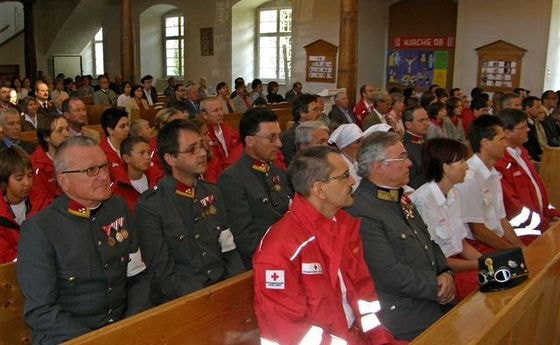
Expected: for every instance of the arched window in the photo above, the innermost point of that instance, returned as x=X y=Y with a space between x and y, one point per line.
x=98 y=65
x=274 y=41
x=174 y=44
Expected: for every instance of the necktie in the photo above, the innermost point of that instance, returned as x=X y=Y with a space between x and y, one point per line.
x=45 y=106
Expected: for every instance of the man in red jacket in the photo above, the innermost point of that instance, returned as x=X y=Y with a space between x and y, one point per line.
x=525 y=196
x=365 y=106
x=311 y=283
x=224 y=143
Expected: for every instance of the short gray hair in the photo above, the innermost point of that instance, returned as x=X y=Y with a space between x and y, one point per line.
x=338 y=94
x=309 y=166
x=305 y=131
x=205 y=102
x=60 y=157
x=396 y=97
x=373 y=150
x=6 y=111
x=379 y=96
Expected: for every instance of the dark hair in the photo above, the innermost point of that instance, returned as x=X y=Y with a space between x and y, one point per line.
x=408 y=92
x=255 y=83
x=453 y=91
x=529 y=101
x=301 y=104
x=146 y=77
x=181 y=107
x=518 y=91
x=259 y=102
x=238 y=81
x=309 y=166
x=297 y=83
x=512 y=117
x=126 y=82
x=412 y=101
x=363 y=89
x=176 y=86
x=426 y=99
x=251 y=120
x=395 y=89
x=102 y=76
x=134 y=88
x=544 y=96
x=44 y=128
x=12 y=160
x=483 y=127
x=270 y=86
x=451 y=104
x=478 y=103
x=408 y=114
x=111 y=117
x=168 y=139
x=434 y=109
x=439 y=151
x=128 y=144
x=432 y=87
x=507 y=98
x=440 y=93
x=221 y=85
x=475 y=91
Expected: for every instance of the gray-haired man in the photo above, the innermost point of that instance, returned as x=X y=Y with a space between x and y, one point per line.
x=312 y=133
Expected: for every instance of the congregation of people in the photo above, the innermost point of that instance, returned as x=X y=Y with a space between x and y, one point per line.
x=363 y=225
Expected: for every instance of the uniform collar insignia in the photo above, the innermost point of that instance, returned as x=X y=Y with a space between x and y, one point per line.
x=185 y=191
x=263 y=167
x=415 y=139
x=388 y=194
x=78 y=210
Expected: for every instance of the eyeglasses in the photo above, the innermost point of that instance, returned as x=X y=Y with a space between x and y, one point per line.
x=194 y=148
x=340 y=177
x=272 y=138
x=91 y=171
x=402 y=158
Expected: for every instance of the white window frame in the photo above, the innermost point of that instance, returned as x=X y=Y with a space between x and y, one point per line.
x=272 y=5
x=179 y=37
x=95 y=52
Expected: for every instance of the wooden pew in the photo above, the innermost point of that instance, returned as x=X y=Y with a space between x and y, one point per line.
x=550 y=173
x=88 y=100
x=284 y=116
x=94 y=113
x=31 y=136
x=217 y=315
x=13 y=330
x=525 y=314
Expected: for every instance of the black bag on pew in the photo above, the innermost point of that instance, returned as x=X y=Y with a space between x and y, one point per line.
x=501 y=270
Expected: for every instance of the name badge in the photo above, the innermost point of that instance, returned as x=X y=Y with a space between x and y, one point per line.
x=311 y=268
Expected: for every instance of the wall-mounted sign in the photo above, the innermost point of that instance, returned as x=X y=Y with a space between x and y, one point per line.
x=321 y=62
x=424 y=42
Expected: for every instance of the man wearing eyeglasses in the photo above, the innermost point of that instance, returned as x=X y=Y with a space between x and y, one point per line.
x=256 y=191
x=185 y=238
x=416 y=123
x=311 y=282
x=74 y=255
x=413 y=281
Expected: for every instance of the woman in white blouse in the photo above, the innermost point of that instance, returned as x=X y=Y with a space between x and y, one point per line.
x=438 y=202
x=124 y=98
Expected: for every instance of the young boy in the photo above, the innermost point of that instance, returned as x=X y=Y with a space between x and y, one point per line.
x=16 y=181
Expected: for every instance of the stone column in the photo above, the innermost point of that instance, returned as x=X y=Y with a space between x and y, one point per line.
x=127 y=56
x=348 y=38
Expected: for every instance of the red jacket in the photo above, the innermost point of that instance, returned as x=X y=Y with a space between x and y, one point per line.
x=361 y=110
x=467 y=117
x=519 y=191
x=9 y=228
x=44 y=181
x=219 y=161
x=297 y=268
x=123 y=187
x=156 y=170
x=116 y=164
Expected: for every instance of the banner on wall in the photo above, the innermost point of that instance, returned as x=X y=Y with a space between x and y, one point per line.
x=432 y=42
x=417 y=68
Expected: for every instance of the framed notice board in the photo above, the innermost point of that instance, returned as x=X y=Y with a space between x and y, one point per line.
x=320 y=62
x=499 y=66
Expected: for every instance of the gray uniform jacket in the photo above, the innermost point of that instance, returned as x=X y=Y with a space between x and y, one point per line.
x=415 y=155
x=184 y=248
x=402 y=260
x=252 y=205
x=105 y=97
x=72 y=279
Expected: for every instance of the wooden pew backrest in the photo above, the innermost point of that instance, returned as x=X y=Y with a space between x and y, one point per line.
x=94 y=112
x=13 y=330
x=217 y=315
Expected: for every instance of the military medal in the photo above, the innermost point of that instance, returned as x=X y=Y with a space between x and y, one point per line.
x=407 y=207
x=212 y=210
x=119 y=237
x=124 y=234
x=276 y=187
x=111 y=241
x=208 y=206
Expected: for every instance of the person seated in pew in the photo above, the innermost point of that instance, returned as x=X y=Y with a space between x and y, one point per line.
x=17 y=203
x=135 y=152
x=416 y=122
x=75 y=112
x=30 y=118
x=443 y=161
x=311 y=133
x=52 y=130
x=73 y=256
x=223 y=95
x=481 y=194
x=525 y=195
x=11 y=129
x=141 y=128
x=114 y=122
x=241 y=101
x=272 y=95
x=184 y=234
x=256 y=191
x=311 y=282
x=125 y=97
x=225 y=144
x=104 y=95
x=137 y=100
x=348 y=138
x=414 y=282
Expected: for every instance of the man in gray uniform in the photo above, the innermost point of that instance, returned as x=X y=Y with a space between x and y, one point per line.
x=411 y=275
x=256 y=192
x=184 y=236
x=416 y=122
x=73 y=255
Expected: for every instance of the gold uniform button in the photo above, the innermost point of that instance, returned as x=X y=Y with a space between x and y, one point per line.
x=197 y=236
x=203 y=253
x=182 y=237
x=425 y=247
x=209 y=271
x=403 y=236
